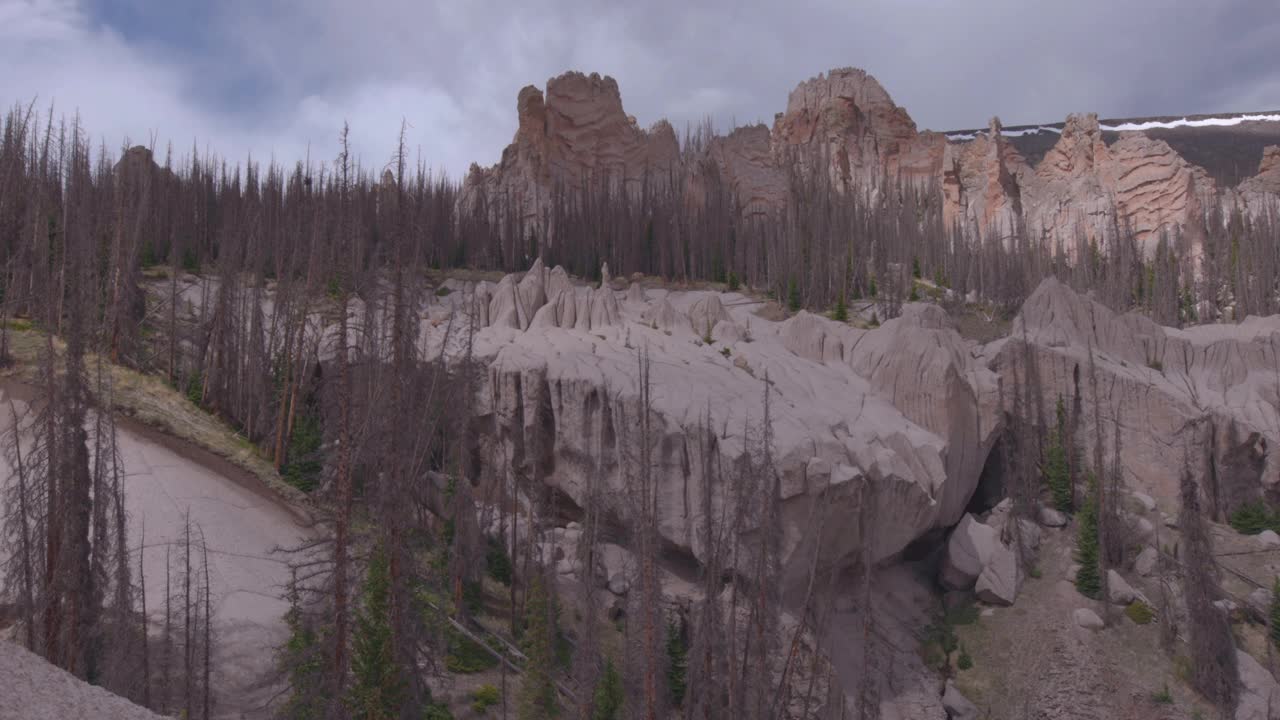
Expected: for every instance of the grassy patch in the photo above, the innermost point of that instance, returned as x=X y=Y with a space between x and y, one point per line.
x=483 y=698
x=1139 y=612
x=466 y=656
x=152 y=401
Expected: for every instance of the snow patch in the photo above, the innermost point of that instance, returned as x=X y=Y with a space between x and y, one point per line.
x=1183 y=122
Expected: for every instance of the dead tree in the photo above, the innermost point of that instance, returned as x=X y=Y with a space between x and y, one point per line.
x=1214 y=674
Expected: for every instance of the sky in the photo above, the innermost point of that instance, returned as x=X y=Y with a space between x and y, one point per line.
x=276 y=79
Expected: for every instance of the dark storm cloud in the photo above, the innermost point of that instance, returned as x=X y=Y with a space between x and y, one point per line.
x=279 y=78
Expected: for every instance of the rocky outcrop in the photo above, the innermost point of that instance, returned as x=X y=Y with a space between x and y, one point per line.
x=844 y=126
x=1262 y=191
x=1083 y=188
x=898 y=418
x=1259 y=692
x=1207 y=395
x=981 y=184
x=846 y=119
x=574 y=133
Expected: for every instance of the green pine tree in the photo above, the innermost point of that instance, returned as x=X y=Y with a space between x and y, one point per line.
x=793 y=296
x=1275 y=612
x=1057 y=475
x=608 y=697
x=1089 y=578
x=677 y=663
x=377 y=690
x=301 y=662
x=915 y=268
x=841 y=313
x=537 y=700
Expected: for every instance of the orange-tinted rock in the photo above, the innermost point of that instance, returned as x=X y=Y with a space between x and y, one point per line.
x=577 y=132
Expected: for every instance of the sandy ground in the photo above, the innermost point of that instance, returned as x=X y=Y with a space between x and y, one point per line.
x=243 y=526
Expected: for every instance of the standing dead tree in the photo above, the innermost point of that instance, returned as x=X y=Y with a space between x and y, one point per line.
x=1215 y=673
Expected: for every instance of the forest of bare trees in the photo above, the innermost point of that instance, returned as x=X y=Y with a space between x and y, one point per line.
x=284 y=301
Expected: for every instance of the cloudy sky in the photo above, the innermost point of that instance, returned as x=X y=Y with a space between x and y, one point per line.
x=277 y=78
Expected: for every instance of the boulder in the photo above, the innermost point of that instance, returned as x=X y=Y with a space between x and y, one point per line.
x=615 y=565
x=1145 y=563
x=1088 y=619
x=1049 y=517
x=1143 y=501
x=1119 y=591
x=1000 y=578
x=957 y=706
x=1144 y=528
x=968 y=552
x=1269 y=539
x=1259 y=692
x=1259 y=602
x=1029 y=536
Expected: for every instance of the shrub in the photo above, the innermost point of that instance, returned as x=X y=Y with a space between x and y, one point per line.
x=1254 y=517
x=733 y=282
x=465 y=656
x=497 y=562
x=442 y=291
x=484 y=697
x=964 y=662
x=915 y=294
x=1163 y=697
x=436 y=711
x=965 y=614
x=1139 y=612
x=725 y=352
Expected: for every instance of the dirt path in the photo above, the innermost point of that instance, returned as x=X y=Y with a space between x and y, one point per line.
x=244 y=525
x=1033 y=662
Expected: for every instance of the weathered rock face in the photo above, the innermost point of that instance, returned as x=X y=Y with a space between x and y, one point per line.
x=1084 y=189
x=37 y=690
x=898 y=419
x=577 y=131
x=844 y=125
x=1206 y=395
x=1262 y=191
x=981 y=184
x=745 y=159
x=847 y=119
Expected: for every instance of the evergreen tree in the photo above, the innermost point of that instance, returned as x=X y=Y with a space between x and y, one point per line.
x=841 y=313
x=301 y=660
x=793 y=296
x=1057 y=475
x=537 y=699
x=377 y=690
x=608 y=696
x=1089 y=578
x=677 y=663
x=1275 y=612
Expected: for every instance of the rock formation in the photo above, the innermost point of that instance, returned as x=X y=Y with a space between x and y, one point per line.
x=36 y=690
x=577 y=132
x=845 y=126
x=1208 y=394
x=1262 y=191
